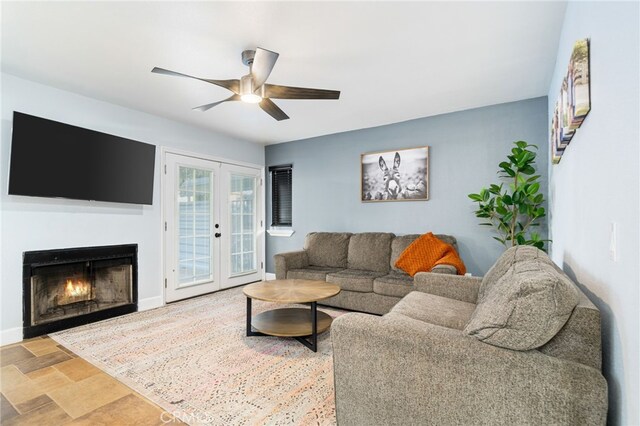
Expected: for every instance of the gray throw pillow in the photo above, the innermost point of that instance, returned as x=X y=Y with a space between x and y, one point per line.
x=525 y=308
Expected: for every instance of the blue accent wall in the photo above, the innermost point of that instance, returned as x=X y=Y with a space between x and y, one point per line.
x=465 y=149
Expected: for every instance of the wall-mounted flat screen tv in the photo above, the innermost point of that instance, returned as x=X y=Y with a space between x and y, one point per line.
x=52 y=159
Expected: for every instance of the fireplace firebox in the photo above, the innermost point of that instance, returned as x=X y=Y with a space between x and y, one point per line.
x=70 y=287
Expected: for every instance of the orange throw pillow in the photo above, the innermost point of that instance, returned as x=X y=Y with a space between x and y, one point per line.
x=426 y=252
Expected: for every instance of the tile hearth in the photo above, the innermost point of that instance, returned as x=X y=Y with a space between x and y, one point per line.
x=45 y=383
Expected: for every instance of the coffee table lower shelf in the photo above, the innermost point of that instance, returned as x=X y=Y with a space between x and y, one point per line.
x=302 y=324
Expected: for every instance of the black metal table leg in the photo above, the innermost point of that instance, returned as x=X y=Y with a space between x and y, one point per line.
x=314 y=326
x=313 y=344
x=249 y=331
x=248 y=316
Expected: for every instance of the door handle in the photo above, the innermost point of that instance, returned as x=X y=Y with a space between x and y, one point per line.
x=217 y=235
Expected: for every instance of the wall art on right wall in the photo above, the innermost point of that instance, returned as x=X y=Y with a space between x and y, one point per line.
x=574 y=100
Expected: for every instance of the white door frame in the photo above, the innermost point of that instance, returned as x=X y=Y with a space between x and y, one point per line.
x=261 y=215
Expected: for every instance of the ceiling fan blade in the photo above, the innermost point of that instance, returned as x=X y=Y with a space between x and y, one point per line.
x=233 y=85
x=272 y=109
x=209 y=106
x=263 y=62
x=285 y=92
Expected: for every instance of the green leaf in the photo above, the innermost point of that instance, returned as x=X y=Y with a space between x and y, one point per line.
x=499 y=239
x=487 y=224
x=507 y=200
x=532 y=178
x=533 y=188
x=501 y=210
x=475 y=197
x=528 y=170
x=520 y=239
x=538 y=198
x=521 y=144
x=495 y=189
x=507 y=217
x=539 y=244
x=510 y=172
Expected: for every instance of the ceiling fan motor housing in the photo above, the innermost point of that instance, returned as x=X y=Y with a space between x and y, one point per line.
x=247 y=57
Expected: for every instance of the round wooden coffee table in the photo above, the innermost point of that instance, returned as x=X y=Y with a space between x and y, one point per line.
x=299 y=323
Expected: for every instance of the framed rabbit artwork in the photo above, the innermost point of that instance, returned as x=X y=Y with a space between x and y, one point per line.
x=396 y=175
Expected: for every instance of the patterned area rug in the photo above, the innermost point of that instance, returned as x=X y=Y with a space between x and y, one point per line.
x=192 y=358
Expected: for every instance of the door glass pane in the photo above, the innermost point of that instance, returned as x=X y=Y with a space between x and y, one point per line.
x=194 y=224
x=242 y=199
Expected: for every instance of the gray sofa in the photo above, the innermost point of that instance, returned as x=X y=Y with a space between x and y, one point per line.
x=444 y=354
x=362 y=265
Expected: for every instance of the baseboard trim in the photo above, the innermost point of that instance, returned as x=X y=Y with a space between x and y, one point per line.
x=11 y=335
x=150 y=303
x=268 y=276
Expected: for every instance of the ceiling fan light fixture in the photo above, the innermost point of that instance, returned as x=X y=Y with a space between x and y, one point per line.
x=247 y=89
x=250 y=98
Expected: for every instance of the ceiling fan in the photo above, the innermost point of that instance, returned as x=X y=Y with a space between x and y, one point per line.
x=253 y=88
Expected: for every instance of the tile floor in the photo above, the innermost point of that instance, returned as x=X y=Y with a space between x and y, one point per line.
x=43 y=383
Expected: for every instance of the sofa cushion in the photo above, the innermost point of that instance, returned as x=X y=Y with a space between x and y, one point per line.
x=434 y=309
x=327 y=248
x=401 y=242
x=505 y=261
x=526 y=307
x=370 y=251
x=354 y=279
x=311 y=273
x=394 y=284
x=398 y=245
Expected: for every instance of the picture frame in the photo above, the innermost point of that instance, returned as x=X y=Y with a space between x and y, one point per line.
x=574 y=101
x=395 y=175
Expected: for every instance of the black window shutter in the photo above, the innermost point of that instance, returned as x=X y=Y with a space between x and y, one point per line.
x=281 y=190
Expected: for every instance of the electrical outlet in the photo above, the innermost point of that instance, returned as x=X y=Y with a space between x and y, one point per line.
x=613 y=241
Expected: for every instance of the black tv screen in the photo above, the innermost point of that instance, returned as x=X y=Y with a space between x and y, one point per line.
x=52 y=159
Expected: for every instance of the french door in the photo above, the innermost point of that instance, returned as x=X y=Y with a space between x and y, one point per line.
x=213 y=226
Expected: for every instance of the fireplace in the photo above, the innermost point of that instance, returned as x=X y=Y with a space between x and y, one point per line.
x=70 y=287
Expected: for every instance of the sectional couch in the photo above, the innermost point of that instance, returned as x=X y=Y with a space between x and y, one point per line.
x=521 y=346
x=362 y=265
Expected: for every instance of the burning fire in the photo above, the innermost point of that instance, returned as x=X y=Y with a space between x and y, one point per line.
x=79 y=290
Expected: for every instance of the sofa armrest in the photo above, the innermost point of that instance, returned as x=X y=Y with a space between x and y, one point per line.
x=290 y=260
x=445 y=269
x=396 y=370
x=459 y=287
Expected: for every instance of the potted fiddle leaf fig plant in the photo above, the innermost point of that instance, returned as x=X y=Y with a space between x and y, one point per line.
x=514 y=209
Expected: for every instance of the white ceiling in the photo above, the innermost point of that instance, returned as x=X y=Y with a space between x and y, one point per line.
x=392 y=61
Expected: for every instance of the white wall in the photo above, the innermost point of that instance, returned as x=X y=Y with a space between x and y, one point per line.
x=41 y=223
x=596 y=184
